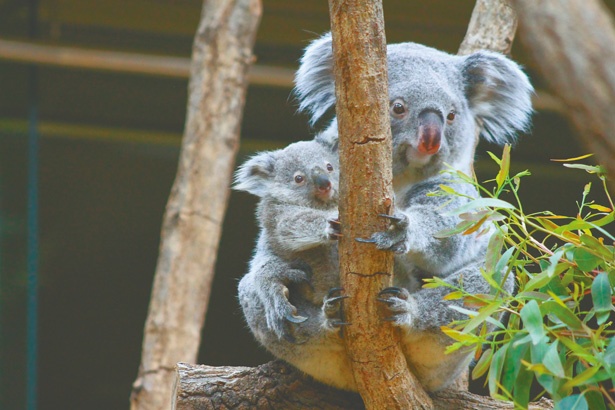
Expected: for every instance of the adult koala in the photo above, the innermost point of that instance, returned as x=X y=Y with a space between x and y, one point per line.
x=437 y=101
x=440 y=104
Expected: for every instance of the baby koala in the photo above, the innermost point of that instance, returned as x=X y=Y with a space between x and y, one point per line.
x=295 y=264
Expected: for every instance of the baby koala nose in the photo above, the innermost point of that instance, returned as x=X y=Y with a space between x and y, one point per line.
x=322 y=183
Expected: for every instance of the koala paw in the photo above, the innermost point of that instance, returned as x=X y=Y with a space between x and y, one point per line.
x=395 y=239
x=334 y=229
x=280 y=314
x=332 y=309
x=396 y=303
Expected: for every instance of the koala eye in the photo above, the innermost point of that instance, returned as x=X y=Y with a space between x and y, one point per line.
x=299 y=178
x=329 y=167
x=451 y=116
x=398 y=108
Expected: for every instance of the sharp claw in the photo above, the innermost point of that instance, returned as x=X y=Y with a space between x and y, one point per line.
x=333 y=291
x=390 y=319
x=334 y=221
x=295 y=319
x=337 y=298
x=362 y=240
x=393 y=291
x=387 y=301
x=391 y=217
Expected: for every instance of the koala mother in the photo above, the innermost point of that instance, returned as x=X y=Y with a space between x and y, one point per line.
x=439 y=104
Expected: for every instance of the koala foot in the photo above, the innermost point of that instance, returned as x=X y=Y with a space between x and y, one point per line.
x=397 y=304
x=280 y=314
x=334 y=229
x=395 y=239
x=332 y=309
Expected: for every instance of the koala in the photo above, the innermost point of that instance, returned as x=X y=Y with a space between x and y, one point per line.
x=440 y=105
x=290 y=294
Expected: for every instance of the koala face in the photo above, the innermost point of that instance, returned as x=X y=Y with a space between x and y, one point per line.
x=435 y=101
x=304 y=173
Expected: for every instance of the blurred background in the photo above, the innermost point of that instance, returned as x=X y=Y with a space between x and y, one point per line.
x=105 y=84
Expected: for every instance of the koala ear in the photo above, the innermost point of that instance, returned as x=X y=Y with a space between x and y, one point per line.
x=314 y=81
x=499 y=94
x=329 y=137
x=255 y=174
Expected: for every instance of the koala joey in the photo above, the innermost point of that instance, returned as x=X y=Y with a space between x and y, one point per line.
x=295 y=264
x=440 y=104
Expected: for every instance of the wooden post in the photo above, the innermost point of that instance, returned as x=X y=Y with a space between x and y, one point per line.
x=362 y=107
x=222 y=54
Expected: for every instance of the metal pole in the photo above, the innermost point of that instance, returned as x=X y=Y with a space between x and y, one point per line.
x=32 y=227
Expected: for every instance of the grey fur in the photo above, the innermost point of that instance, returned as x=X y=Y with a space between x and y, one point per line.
x=284 y=295
x=484 y=88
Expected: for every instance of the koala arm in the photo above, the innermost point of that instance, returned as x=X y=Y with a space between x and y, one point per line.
x=426 y=310
x=296 y=228
x=419 y=218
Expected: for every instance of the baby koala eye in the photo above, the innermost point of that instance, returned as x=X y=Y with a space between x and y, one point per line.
x=299 y=178
x=329 y=167
x=451 y=116
x=398 y=108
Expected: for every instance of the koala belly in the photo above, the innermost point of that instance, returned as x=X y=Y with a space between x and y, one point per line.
x=330 y=367
x=435 y=369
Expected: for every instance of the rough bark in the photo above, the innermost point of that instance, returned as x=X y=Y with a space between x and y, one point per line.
x=492 y=27
x=572 y=44
x=276 y=385
x=222 y=54
x=362 y=108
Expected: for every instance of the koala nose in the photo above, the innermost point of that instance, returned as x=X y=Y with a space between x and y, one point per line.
x=321 y=181
x=430 y=132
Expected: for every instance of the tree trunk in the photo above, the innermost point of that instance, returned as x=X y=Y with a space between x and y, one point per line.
x=573 y=45
x=362 y=107
x=221 y=56
x=492 y=27
x=276 y=385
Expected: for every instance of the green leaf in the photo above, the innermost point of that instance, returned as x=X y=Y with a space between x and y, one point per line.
x=574 y=402
x=601 y=296
x=537 y=281
x=552 y=361
x=493 y=250
x=461 y=227
x=582 y=377
x=532 y=320
x=504 y=166
x=585 y=260
x=562 y=312
x=497 y=363
x=483 y=364
x=523 y=384
x=595 y=400
x=513 y=364
x=481 y=203
x=595 y=244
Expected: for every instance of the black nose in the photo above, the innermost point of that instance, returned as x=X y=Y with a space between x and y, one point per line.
x=321 y=181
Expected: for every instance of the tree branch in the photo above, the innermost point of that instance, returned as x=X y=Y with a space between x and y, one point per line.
x=222 y=54
x=572 y=44
x=362 y=107
x=276 y=385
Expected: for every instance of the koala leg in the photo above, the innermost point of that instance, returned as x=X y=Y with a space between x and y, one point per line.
x=420 y=316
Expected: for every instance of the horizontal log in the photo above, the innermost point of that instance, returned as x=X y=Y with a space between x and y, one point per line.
x=278 y=385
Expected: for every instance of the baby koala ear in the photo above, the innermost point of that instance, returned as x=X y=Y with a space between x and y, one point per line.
x=499 y=94
x=255 y=175
x=314 y=81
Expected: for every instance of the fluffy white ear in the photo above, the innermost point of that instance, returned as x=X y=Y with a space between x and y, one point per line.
x=255 y=174
x=314 y=81
x=499 y=94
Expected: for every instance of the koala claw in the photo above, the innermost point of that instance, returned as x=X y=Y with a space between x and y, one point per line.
x=397 y=292
x=363 y=240
x=395 y=219
x=334 y=229
x=331 y=308
x=294 y=318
